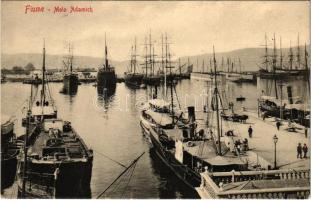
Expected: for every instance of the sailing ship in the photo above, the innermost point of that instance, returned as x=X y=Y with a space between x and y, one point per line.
x=273 y=70
x=55 y=162
x=70 y=79
x=106 y=77
x=151 y=77
x=186 y=150
x=9 y=152
x=132 y=78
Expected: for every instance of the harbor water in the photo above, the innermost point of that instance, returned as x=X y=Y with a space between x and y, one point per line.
x=110 y=126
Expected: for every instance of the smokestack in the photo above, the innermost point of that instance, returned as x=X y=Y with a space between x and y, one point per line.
x=290 y=94
x=191 y=117
x=191 y=114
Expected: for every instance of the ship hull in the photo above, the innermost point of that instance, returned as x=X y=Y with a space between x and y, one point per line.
x=72 y=181
x=283 y=74
x=183 y=172
x=133 y=80
x=35 y=81
x=71 y=83
x=8 y=169
x=106 y=81
x=9 y=152
x=152 y=80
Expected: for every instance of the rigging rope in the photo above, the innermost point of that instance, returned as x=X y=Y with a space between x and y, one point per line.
x=126 y=170
x=110 y=158
x=131 y=174
x=177 y=97
x=18 y=107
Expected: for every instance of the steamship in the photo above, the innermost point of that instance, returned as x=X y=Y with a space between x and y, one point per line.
x=187 y=150
x=106 y=77
x=70 y=79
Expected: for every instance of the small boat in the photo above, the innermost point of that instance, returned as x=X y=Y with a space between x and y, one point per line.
x=240 y=98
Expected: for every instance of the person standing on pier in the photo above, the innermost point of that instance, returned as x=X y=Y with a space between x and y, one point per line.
x=299 y=151
x=306 y=132
x=305 y=150
x=250 y=131
x=278 y=124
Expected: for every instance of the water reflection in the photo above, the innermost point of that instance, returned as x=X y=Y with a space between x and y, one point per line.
x=171 y=187
x=105 y=96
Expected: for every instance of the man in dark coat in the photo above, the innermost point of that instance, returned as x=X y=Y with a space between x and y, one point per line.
x=250 y=131
x=305 y=150
x=278 y=124
x=299 y=151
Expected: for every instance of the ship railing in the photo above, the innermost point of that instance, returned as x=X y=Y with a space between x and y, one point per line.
x=271 y=193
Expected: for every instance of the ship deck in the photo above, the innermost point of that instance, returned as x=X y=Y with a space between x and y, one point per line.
x=53 y=141
x=206 y=150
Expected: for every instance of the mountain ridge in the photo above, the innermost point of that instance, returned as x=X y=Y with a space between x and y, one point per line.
x=251 y=59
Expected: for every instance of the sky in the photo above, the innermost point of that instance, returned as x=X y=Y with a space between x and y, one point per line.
x=192 y=27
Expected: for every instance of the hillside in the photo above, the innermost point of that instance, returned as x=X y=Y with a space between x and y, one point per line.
x=56 y=61
x=251 y=58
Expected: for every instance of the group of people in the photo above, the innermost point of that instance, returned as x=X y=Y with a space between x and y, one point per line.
x=241 y=146
x=301 y=149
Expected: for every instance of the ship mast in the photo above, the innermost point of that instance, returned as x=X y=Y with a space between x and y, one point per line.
x=291 y=56
x=25 y=145
x=164 y=68
x=240 y=66
x=131 y=63
x=216 y=96
x=146 y=57
x=298 y=54
x=306 y=57
x=162 y=61
x=153 y=61
x=281 y=55
x=150 y=55
x=203 y=66
x=71 y=58
x=43 y=76
x=266 y=53
x=274 y=67
x=135 y=62
x=179 y=66
x=106 y=56
x=210 y=65
x=197 y=64
x=168 y=61
x=222 y=63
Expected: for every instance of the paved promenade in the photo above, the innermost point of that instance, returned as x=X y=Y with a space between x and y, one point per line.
x=262 y=141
